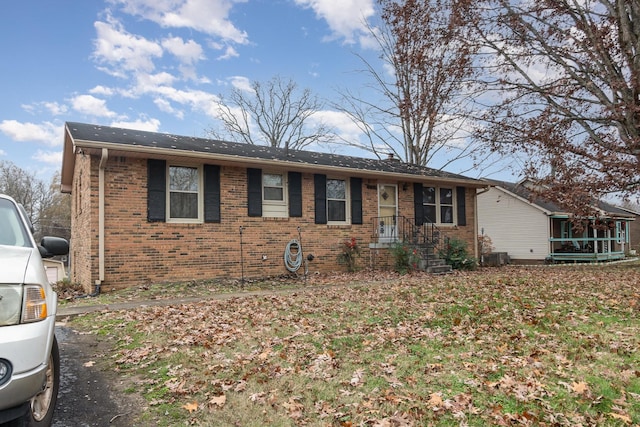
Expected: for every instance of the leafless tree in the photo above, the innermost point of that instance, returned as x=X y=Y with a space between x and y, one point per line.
x=49 y=211
x=567 y=91
x=274 y=113
x=425 y=85
x=55 y=218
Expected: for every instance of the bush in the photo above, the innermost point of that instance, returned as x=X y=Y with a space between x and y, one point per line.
x=350 y=254
x=456 y=255
x=406 y=257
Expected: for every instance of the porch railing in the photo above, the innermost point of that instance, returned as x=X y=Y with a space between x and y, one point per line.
x=396 y=228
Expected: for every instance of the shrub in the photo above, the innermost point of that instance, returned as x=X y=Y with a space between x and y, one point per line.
x=350 y=254
x=456 y=255
x=406 y=257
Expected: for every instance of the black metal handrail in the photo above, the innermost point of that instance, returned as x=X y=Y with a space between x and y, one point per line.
x=398 y=228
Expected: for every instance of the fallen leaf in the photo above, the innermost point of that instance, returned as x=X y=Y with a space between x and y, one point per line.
x=622 y=417
x=218 y=400
x=435 y=400
x=89 y=364
x=357 y=378
x=580 y=387
x=191 y=406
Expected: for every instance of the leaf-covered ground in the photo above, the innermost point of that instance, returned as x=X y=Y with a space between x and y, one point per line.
x=544 y=346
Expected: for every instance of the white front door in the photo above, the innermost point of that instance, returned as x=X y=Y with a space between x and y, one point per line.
x=387 y=212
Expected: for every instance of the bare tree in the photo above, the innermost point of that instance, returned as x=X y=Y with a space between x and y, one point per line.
x=55 y=218
x=274 y=113
x=48 y=209
x=26 y=189
x=427 y=95
x=568 y=92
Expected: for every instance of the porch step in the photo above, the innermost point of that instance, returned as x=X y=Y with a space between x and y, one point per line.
x=439 y=269
x=436 y=266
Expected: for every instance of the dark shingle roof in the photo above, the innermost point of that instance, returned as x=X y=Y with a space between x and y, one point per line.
x=81 y=132
x=521 y=190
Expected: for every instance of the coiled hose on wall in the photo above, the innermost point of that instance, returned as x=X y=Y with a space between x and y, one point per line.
x=293 y=255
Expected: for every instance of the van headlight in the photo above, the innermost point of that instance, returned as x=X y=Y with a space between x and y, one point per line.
x=34 y=306
x=22 y=304
x=10 y=304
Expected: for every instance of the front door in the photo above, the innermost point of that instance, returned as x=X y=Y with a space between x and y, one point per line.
x=387 y=213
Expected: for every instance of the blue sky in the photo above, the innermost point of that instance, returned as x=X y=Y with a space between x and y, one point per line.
x=159 y=65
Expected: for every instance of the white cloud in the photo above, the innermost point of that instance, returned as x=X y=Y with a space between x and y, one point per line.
x=229 y=52
x=91 y=106
x=241 y=83
x=46 y=132
x=346 y=18
x=3 y=153
x=101 y=90
x=341 y=122
x=123 y=52
x=52 y=108
x=50 y=157
x=165 y=106
x=207 y=16
x=188 y=52
x=150 y=125
x=149 y=82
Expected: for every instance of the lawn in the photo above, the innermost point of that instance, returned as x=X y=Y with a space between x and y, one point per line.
x=555 y=346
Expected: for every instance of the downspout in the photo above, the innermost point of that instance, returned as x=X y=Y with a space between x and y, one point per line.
x=101 y=168
x=475 y=209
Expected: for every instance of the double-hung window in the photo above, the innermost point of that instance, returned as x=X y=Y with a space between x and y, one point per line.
x=185 y=197
x=274 y=196
x=438 y=206
x=273 y=188
x=336 y=200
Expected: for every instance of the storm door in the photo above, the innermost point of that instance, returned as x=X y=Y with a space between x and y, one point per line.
x=387 y=213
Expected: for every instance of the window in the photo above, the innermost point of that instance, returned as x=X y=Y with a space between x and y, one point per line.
x=336 y=200
x=184 y=193
x=274 y=198
x=438 y=205
x=273 y=188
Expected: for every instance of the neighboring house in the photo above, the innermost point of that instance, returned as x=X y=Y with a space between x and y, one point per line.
x=532 y=230
x=152 y=207
x=634 y=231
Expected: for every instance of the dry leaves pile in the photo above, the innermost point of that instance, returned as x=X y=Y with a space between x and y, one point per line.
x=514 y=346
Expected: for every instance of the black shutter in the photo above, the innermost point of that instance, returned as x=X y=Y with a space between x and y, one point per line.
x=418 y=208
x=462 y=213
x=356 y=200
x=320 y=195
x=295 y=194
x=156 y=190
x=211 y=193
x=254 y=192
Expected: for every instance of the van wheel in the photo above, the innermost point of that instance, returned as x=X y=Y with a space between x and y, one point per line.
x=44 y=403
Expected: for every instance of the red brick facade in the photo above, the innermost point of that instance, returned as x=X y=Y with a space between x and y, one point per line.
x=137 y=251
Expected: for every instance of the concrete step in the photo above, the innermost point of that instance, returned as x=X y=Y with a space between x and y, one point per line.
x=439 y=269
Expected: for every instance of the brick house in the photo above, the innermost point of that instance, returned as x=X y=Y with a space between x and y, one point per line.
x=152 y=207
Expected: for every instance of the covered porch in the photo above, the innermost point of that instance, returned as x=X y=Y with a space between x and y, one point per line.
x=595 y=240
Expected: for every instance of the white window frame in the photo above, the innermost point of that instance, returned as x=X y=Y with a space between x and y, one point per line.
x=199 y=192
x=347 y=200
x=438 y=205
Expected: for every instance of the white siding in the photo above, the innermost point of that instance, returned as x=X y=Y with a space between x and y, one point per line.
x=514 y=225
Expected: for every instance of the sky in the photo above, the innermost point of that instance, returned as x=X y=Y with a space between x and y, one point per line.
x=160 y=65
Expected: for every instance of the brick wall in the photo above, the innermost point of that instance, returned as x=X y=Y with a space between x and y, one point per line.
x=138 y=252
x=84 y=224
